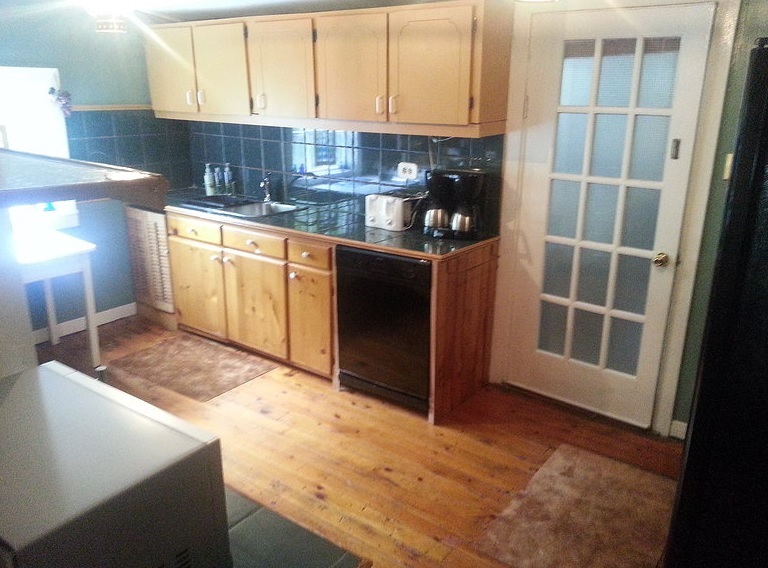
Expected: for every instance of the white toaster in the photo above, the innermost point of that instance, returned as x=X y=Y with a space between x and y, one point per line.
x=389 y=212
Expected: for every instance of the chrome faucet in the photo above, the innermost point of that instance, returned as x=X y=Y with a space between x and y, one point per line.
x=266 y=186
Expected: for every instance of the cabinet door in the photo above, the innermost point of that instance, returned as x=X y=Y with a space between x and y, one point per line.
x=282 y=69
x=309 y=318
x=222 y=69
x=430 y=56
x=198 y=285
x=256 y=302
x=352 y=66
x=171 y=69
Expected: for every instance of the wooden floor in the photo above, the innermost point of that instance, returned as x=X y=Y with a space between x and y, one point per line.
x=373 y=478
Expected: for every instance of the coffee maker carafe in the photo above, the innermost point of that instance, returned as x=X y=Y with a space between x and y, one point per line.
x=453 y=203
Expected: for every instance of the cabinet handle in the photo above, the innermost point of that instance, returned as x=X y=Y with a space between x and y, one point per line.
x=190 y=95
x=201 y=97
x=293 y=275
x=192 y=231
x=393 y=104
x=215 y=258
x=261 y=101
x=380 y=105
x=227 y=259
x=306 y=254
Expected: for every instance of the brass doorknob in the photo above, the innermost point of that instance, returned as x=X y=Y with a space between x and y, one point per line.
x=661 y=259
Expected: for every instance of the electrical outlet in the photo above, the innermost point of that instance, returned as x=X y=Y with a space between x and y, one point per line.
x=407 y=170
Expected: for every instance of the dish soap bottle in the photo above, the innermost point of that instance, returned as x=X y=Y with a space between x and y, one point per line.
x=229 y=183
x=208 y=181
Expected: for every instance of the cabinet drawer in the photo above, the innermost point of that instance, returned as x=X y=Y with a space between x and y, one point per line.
x=197 y=229
x=309 y=254
x=253 y=241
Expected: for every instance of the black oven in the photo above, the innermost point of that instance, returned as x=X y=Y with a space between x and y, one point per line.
x=384 y=325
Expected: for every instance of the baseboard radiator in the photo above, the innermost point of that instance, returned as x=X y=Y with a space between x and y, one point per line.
x=148 y=242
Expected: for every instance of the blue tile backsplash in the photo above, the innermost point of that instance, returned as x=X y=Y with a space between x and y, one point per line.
x=355 y=163
x=132 y=138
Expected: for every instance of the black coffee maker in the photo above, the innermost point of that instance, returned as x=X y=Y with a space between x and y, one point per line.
x=452 y=208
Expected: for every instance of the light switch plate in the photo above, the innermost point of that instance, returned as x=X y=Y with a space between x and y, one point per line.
x=407 y=170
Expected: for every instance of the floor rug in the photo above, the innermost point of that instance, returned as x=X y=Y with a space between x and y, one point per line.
x=193 y=366
x=584 y=510
x=260 y=538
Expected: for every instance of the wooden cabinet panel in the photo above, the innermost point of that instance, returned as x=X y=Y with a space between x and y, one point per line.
x=282 y=68
x=352 y=66
x=221 y=65
x=192 y=228
x=256 y=302
x=430 y=56
x=198 y=285
x=255 y=242
x=171 y=69
x=309 y=318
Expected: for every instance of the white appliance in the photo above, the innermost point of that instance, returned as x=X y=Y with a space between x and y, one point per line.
x=389 y=211
x=31 y=119
x=92 y=477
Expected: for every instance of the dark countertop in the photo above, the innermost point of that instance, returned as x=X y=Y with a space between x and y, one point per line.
x=30 y=178
x=341 y=220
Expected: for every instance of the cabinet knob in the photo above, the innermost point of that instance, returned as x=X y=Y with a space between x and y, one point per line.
x=192 y=231
x=293 y=275
x=254 y=244
x=306 y=254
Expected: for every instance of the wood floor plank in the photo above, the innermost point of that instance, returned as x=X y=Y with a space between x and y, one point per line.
x=371 y=477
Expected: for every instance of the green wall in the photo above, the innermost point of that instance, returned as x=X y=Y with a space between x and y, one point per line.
x=753 y=23
x=97 y=69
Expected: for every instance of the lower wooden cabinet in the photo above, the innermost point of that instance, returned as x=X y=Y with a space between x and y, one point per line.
x=198 y=285
x=309 y=317
x=256 y=302
x=254 y=288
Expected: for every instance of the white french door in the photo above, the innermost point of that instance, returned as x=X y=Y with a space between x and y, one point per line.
x=612 y=104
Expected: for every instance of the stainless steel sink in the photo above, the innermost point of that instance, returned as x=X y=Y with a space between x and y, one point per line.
x=238 y=206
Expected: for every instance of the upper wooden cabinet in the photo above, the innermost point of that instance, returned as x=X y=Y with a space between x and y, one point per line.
x=438 y=68
x=352 y=66
x=281 y=63
x=199 y=68
x=424 y=55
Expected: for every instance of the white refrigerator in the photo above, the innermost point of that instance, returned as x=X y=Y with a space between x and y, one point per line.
x=31 y=119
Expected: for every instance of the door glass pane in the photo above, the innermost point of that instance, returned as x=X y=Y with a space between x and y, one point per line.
x=600 y=212
x=624 y=345
x=657 y=78
x=641 y=209
x=649 y=148
x=579 y=58
x=552 y=324
x=563 y=208
x=594 y=267
x=616 y=72
x=587 y=334
x=632 y=284
x=569 y=147
x=608 y=144
x=558 y=261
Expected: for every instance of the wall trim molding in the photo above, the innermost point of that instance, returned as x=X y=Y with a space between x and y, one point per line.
x=78 y=324
x=678 y=429
x=80 y=108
